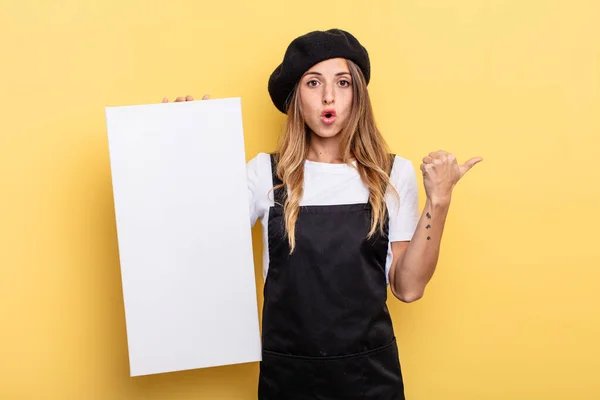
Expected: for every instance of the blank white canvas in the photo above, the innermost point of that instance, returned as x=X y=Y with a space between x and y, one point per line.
x=184 y=235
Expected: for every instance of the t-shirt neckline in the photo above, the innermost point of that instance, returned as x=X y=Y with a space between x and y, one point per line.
x=334 y=166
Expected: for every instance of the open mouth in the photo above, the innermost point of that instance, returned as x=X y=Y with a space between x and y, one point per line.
x=328 y=116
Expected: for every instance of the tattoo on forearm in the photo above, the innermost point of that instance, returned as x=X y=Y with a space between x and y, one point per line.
x=428 y=226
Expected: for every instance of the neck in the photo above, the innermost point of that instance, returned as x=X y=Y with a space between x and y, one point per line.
x=325 y=150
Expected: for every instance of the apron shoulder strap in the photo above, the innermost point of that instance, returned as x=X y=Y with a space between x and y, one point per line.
x=280 y=191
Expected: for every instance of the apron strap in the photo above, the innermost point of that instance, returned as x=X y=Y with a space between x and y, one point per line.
x=392 y=158
x=280 y=191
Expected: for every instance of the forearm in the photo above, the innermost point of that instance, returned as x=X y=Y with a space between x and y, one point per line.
x=416 y=266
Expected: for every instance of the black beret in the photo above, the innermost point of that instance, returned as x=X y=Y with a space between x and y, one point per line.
x=308 y=50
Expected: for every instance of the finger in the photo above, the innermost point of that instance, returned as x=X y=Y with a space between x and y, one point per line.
x=180 y=99
x=189 y=98
x=427 y=160
x=469 y=164
x=165 y=100
x=437 y=154
x=427 y=168
x=206 y=97
x=439 y=161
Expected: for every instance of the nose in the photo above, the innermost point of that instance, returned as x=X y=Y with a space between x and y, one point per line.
x=328 y=94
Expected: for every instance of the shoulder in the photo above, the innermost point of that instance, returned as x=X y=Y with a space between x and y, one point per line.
x=402 y=170
x=260 y=182
x=259 y=161
x=258 y=170
x=404 y=204
x=259 y=167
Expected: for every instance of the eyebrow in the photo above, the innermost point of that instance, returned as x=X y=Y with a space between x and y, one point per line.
x=320 y=74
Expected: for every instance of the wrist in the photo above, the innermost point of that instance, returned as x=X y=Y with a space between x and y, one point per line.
x=440 y=201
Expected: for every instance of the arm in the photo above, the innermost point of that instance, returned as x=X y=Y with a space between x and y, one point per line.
x=414 y=262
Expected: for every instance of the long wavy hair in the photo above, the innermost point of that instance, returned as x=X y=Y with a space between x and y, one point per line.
x=361 y=140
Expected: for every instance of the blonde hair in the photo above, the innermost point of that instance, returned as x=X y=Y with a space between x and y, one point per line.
x=360 y=139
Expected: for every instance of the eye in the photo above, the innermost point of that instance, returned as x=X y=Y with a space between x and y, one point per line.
x=345 y=83
x=312 y=83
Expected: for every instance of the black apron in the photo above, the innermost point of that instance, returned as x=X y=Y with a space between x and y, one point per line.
x=326 y=329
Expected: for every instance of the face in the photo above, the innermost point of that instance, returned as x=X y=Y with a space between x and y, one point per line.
x=326 y=97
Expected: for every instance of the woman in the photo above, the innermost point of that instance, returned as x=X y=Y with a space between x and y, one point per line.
x=340 y=222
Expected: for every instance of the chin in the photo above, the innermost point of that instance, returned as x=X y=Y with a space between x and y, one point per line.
x=326 y=132
x=327 y=135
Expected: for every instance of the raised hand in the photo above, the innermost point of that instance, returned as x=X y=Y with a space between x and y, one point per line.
x=441 y=172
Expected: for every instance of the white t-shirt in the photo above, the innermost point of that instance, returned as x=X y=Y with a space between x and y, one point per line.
x=333 y=184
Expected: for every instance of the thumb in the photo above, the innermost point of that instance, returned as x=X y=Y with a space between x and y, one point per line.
x=468 y=165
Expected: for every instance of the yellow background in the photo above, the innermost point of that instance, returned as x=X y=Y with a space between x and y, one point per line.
x=513 y=311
